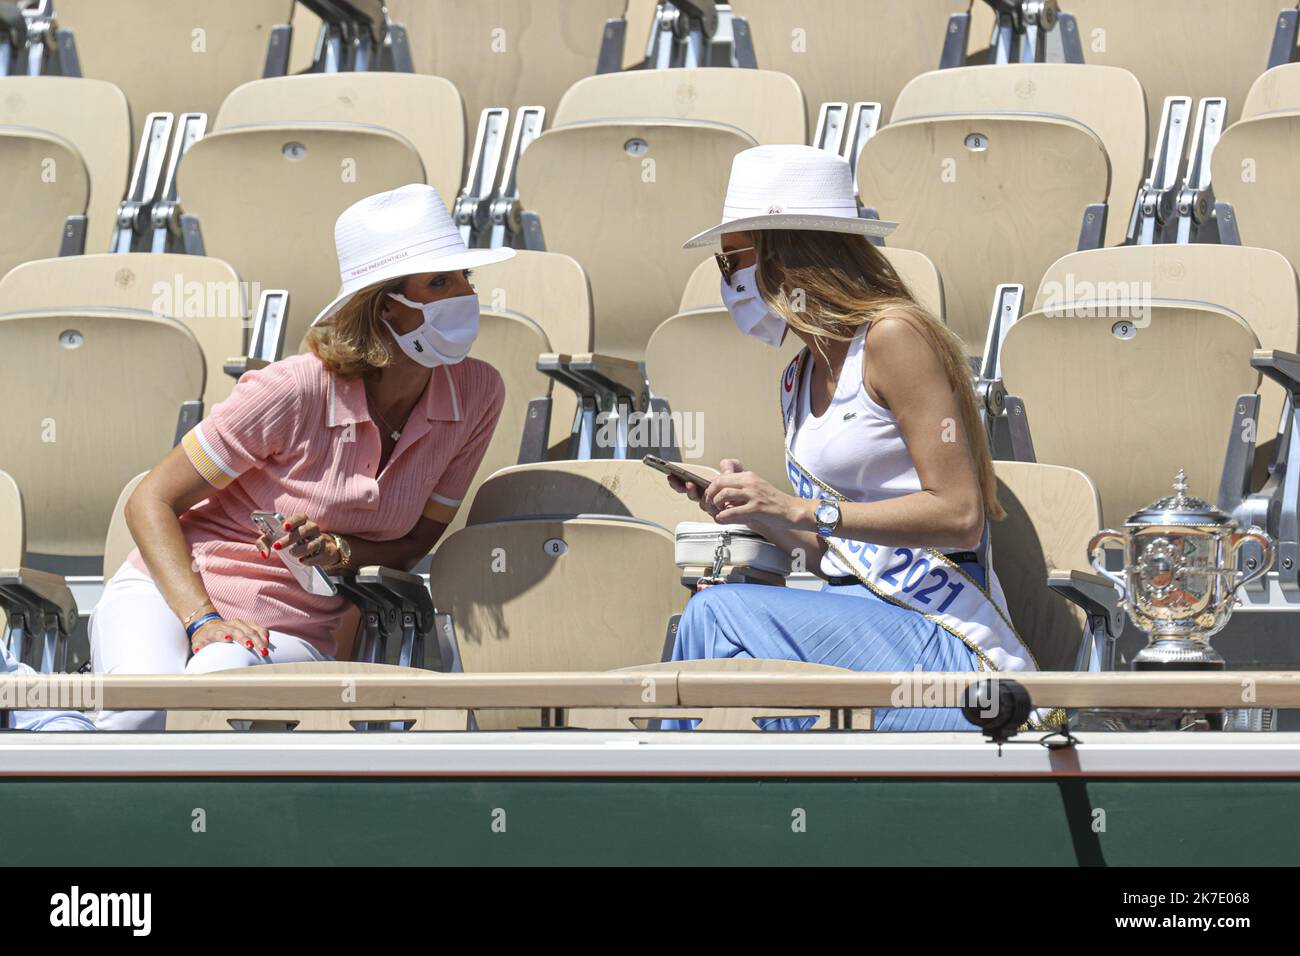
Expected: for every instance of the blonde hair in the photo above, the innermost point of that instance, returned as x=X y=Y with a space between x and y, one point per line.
x=830 y=284
x=352 y=343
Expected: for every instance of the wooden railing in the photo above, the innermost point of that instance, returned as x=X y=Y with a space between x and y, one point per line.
x=631 y=688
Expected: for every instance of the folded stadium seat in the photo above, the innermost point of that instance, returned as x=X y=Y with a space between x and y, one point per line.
x=507 y=53
x=543 y=594
x=567 y=489
x=65 y=147
x=287 y=155
x=849 y=50
x=1253 y=168
x=201 y=292
x=250 y=718
x=989 y=197
x=1130 y=401
x=1107 y=100
x=633 y=163
x=1052 y=513
x=734 y=404
x=724 y=718
x=1257 y=285
x=37 y=611
x=174 y=57
x=73 y=433
x=1194 y=48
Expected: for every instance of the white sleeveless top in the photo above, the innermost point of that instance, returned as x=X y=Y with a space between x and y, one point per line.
x=856 y=447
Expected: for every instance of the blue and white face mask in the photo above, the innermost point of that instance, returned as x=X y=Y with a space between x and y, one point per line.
x=449 y=329
x=749 y=311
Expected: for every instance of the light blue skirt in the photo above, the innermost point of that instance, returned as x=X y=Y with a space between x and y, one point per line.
x=843 y=626
x=39 y=719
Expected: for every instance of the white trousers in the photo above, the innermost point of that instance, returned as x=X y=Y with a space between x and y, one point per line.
x=133 y=631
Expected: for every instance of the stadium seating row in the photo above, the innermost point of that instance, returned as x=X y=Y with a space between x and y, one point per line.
x=536 y=50
x=989 y=171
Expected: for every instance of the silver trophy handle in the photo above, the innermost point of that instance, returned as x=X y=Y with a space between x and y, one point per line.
x=1260 y=537
x=1096 y=552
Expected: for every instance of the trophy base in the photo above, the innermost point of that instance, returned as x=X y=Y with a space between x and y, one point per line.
x=1178 y=653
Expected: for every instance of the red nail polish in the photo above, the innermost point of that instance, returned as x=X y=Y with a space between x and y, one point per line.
x=276 y=546
x=261 y=552
x=248 y=644
x=229 y=638
x=287 y=526
x=265 y=652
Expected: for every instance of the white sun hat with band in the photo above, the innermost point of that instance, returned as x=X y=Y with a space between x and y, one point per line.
x=790 y=187
x=402 y=232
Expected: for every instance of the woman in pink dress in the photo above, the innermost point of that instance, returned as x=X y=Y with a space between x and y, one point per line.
x=366 y=445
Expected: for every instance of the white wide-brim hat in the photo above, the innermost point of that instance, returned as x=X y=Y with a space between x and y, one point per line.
x=790 y=187
x=405 y=231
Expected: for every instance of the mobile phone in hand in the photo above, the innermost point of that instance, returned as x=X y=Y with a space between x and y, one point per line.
x=676 y=470
x=310 y=576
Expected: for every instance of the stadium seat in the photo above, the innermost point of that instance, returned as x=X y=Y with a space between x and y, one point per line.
x=174 y=57
x=552 y=291
x=65 y=147
x=764 y=103
x=1194 y=48
x=567 y=489
x=1253 y=168
x=1275 y=90
x=736 y=402
x=315 y=720
x=848 y=50
x=723 y=718
x=547 y=594
x=511 y=343
x=1258 y=285
x=506 y=53
x=201 y=292
x=1167 y=403
x=1052 y=513
x=37 y=611
x=989 y=197
x=620 y=192
x=93 y=397
x=1107 y=100
x=287 y=155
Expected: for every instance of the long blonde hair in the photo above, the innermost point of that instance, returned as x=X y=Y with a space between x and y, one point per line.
x=830 y=284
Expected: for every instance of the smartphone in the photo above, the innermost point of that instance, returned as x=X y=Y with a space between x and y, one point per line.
x=674 y=469
x=311 y=577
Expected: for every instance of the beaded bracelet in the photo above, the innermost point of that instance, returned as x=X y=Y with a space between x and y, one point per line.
x=192 y=629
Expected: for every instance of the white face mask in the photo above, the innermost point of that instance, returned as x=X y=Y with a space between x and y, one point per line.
x=749 y=311
x=450 y=328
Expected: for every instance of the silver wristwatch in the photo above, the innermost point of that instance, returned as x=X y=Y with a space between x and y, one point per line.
x=827 y=516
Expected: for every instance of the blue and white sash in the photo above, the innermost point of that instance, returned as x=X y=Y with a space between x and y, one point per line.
x=920 y=579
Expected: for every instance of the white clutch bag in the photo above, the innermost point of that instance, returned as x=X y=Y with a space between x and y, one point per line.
x=715 y=546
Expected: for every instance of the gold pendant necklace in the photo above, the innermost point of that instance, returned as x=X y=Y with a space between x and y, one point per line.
x=393 y=433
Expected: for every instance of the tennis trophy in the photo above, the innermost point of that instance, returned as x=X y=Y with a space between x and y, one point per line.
x=1180 y=581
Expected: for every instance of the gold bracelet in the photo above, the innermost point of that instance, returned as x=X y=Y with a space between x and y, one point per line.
x=203 y=609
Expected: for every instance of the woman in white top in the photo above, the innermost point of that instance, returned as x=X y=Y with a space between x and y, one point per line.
x=892 y=479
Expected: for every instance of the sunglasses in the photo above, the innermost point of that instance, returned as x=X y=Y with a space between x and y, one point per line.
x=724 y=262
